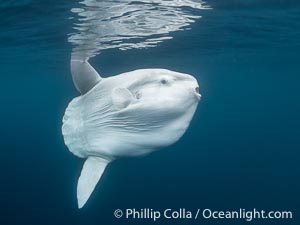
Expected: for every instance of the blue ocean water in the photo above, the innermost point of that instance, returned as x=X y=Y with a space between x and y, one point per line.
x=241 y=150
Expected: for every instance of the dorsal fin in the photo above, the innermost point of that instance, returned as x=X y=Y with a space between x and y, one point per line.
x=85 y=77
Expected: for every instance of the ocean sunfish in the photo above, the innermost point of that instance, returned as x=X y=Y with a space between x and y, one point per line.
x=127 y=115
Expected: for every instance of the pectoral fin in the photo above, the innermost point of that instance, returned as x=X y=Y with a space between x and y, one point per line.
x=91 y=172
x=121 y=97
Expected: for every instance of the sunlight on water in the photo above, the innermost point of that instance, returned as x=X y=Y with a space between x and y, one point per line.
x=128 y=24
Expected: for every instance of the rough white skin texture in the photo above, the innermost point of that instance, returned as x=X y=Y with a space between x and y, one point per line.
x=127 y=115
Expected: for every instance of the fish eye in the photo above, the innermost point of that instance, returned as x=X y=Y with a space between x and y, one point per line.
x=163 y=81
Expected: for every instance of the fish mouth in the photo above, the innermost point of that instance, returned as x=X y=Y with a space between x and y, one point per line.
x=197 y=94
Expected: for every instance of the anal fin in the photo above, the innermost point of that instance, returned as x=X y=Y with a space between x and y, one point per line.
x=91 y=173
